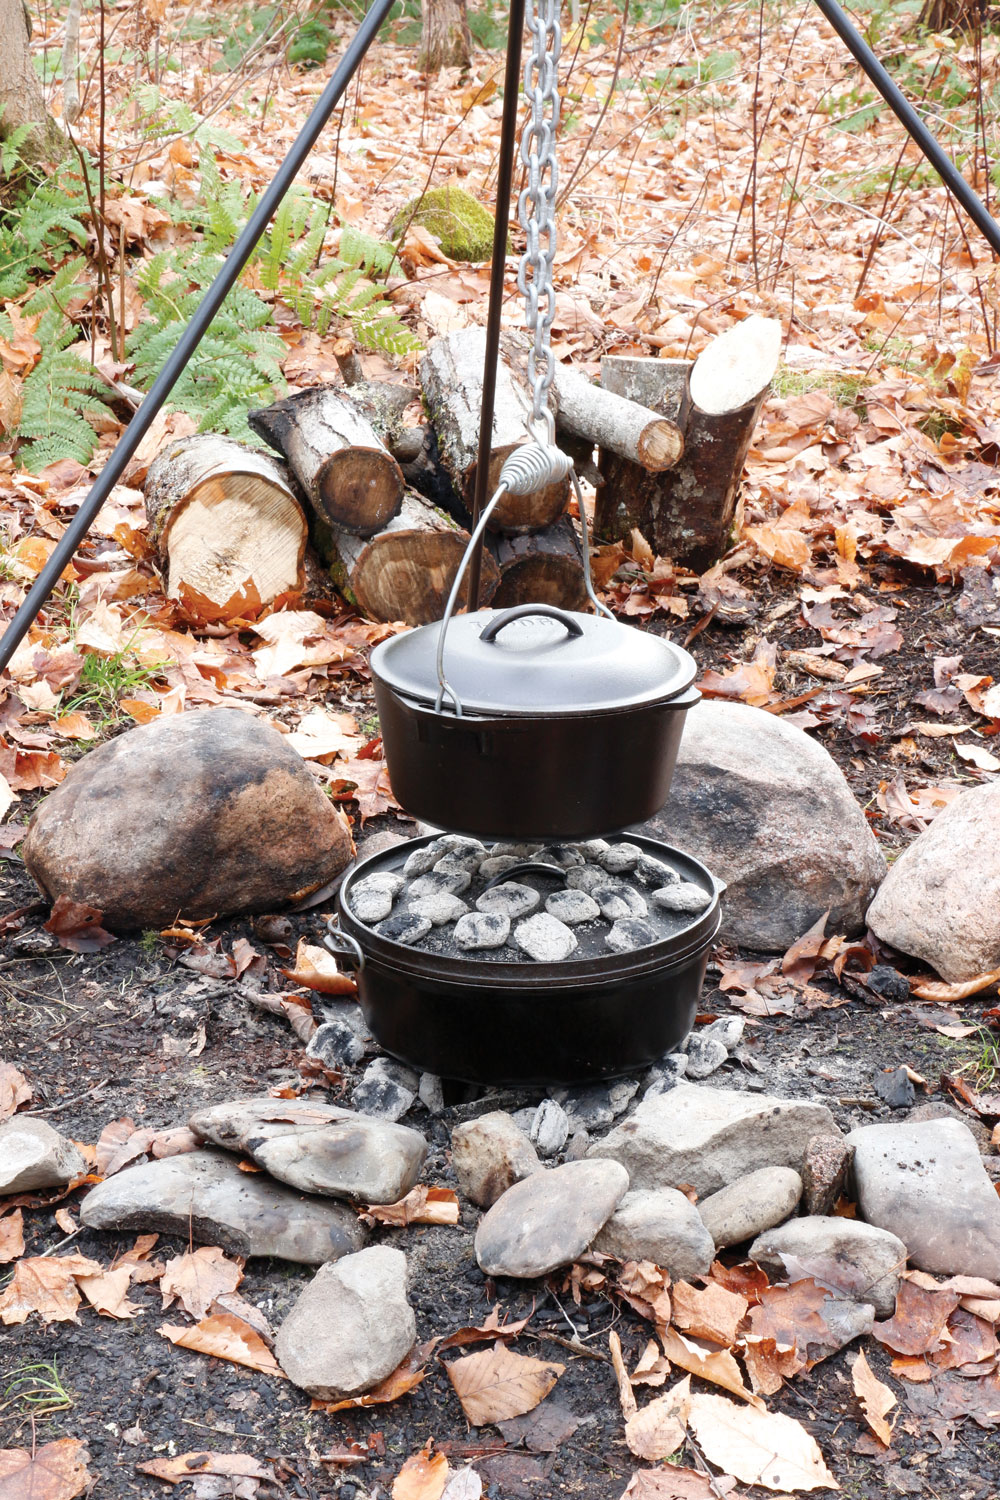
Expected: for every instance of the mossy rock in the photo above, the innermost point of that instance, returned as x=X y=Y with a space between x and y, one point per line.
x=460 y=223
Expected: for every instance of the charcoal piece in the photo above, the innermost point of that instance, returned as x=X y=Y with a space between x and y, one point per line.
x=481 y=929
x=510 y=899
x=404 y=927
x=653 y=871
x=436 y=881
x=685 y=896
x=439 y=907
x=572 y=906
x=544 y=938
x=629 y=933
x=586 y=878
x=617 y=900
x=620 y=858
x=895 y=1088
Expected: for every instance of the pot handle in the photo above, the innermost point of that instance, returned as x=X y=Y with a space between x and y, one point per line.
x=493 y=629
x=351 y=949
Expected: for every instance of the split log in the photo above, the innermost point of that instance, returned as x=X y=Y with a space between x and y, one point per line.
x=227 y=526
x=347 y=472
x=686 y=514
x=405 y=571
x=544 y=568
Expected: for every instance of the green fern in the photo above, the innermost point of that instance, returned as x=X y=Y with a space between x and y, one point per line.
x=56 y=398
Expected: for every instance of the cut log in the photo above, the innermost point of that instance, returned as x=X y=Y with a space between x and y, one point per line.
x=544 y=568
x=686 y=513
x=227 y=526
x=404 y=572
x=347 y=472
x=451 y=374
x=615 y=423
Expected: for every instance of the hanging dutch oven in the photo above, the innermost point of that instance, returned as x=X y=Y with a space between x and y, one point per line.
x=548 y=723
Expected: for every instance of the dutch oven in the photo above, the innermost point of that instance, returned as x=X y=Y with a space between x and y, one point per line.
x=521 y=1022
x=531 y=722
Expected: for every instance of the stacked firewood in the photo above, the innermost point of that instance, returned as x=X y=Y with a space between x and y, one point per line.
x=387 y=503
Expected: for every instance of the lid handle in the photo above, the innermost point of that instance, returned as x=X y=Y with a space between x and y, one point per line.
x=493 y=629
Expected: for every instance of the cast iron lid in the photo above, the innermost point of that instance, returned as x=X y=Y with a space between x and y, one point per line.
x=535 y=660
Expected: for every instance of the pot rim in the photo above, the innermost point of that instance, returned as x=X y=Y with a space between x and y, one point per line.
x=686 y=697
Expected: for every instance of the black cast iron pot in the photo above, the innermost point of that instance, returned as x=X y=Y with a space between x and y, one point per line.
x=524 y=1022
x=549 y=724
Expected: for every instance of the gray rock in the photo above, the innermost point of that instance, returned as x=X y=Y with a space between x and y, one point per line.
x=404 y=926
x=683 y=896
x=727 y=1029
x=846 y=1255
x=439 y=908
x=824 y=1171
x=590 y=1108
x=710 y=1137
x=421 y=861
x=350 y=1327
x=705 y=1055
x=318 y=1148
x=618 y=859
x=653 y=871
x=938 y=901
x=198 y=814
x=769 y=812
x=481 y=929
x=586 y=878
x=621 y=1093
x=387 y=1089
x=336 y=1045
x=431 y=1093
x=754 y=1203
x=509 y=899
x=549 y=1219
x=549 y=1128
x=629 y=933
x=380 y=843
x=572 y=906
x=497 y=864
x=660 y=1225
x=33 y=1155
x=437 y=881
x=576 y=1146
x=348 y=1013
x=489 y=1155
x=544 y=939
x=617 y=900
x=204 y=1196
x=926 y=1184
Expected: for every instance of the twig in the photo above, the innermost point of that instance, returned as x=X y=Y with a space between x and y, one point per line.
x=572 y=1344
x=54 y=1109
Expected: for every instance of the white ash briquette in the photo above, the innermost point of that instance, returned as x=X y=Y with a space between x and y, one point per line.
x=685 y=896
x=544 y=938
x=511 y=899
x=572 y=907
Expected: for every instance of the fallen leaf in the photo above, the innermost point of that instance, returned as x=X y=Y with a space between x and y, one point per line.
x=464 y=1484
x=936 y=989
x=316 y=969
x=919 y=1322
x=497 y=1383
x=422 y=1205
x=11 y=1237
x=759 y=1447
x=107 y=1293
x=876 y=1399
x=646 y=1288
x=971 y=1341
x=57 y=1471
x=196 y=1279
x=658 y=1429
x=225 y=1337
x=487 y=1331
x=367 y=783
x=422 y=1477
x=190 y=1465
x=322 y=734
x=715 y=1365
x=751 y=682
x=46 y=1285
x=77 y=926
x=671 y=1483
x=712 y=1312
x=15 y=1090
x=408 y=1374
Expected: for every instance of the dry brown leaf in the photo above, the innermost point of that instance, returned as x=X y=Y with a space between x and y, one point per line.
x=422 y=1477
x=670 y=1483
x=876 y=1399
x=489 y=1330
x=57 y=1471
x=715 y=1365
x=658 y=1429
x=316 y=969
x=652 y=1367
x=15 y=1090
x=422 y=1205
x=646 y=1288
x=626 y=1395
x=918 y=1325
x=108 y=1292
x=759 y=1447
x=408 y=1374
x=936 y=989
x=197 y=1278
x=46 y=1285
x=190 y=1465
x=497 y=1383
x=225 y=1337
x=711 y=1312
x=11 y=1237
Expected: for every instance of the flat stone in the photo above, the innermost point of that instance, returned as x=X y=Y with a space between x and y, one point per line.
x=682 y=896
x=387 y=1089
x=660 y=1225
x=336 y=1045
x=196 y=814
x=498 y=864
x=846 y=1255
x=440 y=908
x=549 y=1219
x=489 y=1155
x=436 y=881
x=481 y=929
x=544 y=938
x=318 y=1148
x=350 y=1327
x=204 y=1195
x=586 y=878
x=33 y=1155
x=824 y=1171
x=710 y=1137
x=754 y=1203
x=572 y=906
x=629 y=933
x=617 y=900
x=926 y=1184
x=705 y=1055
x=768 y=810
x=405 y=926
x=509 y=899
x=549 y=1128
x=619 y=859
x=653 y=871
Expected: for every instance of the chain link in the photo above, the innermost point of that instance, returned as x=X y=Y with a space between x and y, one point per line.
x=536 y=203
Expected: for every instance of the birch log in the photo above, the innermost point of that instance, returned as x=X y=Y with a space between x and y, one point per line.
x=613 y=422
x=227 y=527
x=544 y=568
x=343 y=466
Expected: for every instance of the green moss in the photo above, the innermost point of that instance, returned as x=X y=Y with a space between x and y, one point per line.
x=460 y=223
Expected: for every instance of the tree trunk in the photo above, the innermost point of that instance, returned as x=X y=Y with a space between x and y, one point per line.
x=445 y=41
x=943 y=15
x=229 y=531
x=545 y=568
x=21 y=98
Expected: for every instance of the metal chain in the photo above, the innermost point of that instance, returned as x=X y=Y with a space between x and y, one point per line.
x=536 y=203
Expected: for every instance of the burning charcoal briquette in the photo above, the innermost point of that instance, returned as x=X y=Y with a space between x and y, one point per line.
x=481 y=929
x=617 y=900
x=629 y=933
x=459 y=864
x=519 y=851
x=435 y=881
x=511 y=899
x=684 y=896
x=572 y=906
x=620 y=858
x=563 y=855
x=544 y=938
x=439 y=908
x=404 y=927
x=653 y=871
x=586 y=878
x=372 y=898
x=459 y=843
x=497 y=864
x=421 y=860
x=593 y=848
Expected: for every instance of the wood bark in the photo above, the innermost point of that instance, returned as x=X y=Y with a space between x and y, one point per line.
x=544 y=568
x=451 y=374
x=405 y=571
x=445 y=41
x=228 y=529
x=346 y=471
x=21 y=99
x=615 y=423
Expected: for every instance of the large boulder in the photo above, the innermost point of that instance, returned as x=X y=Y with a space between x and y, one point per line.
x=197 y=815
x=941 y=899
x=768 y=810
